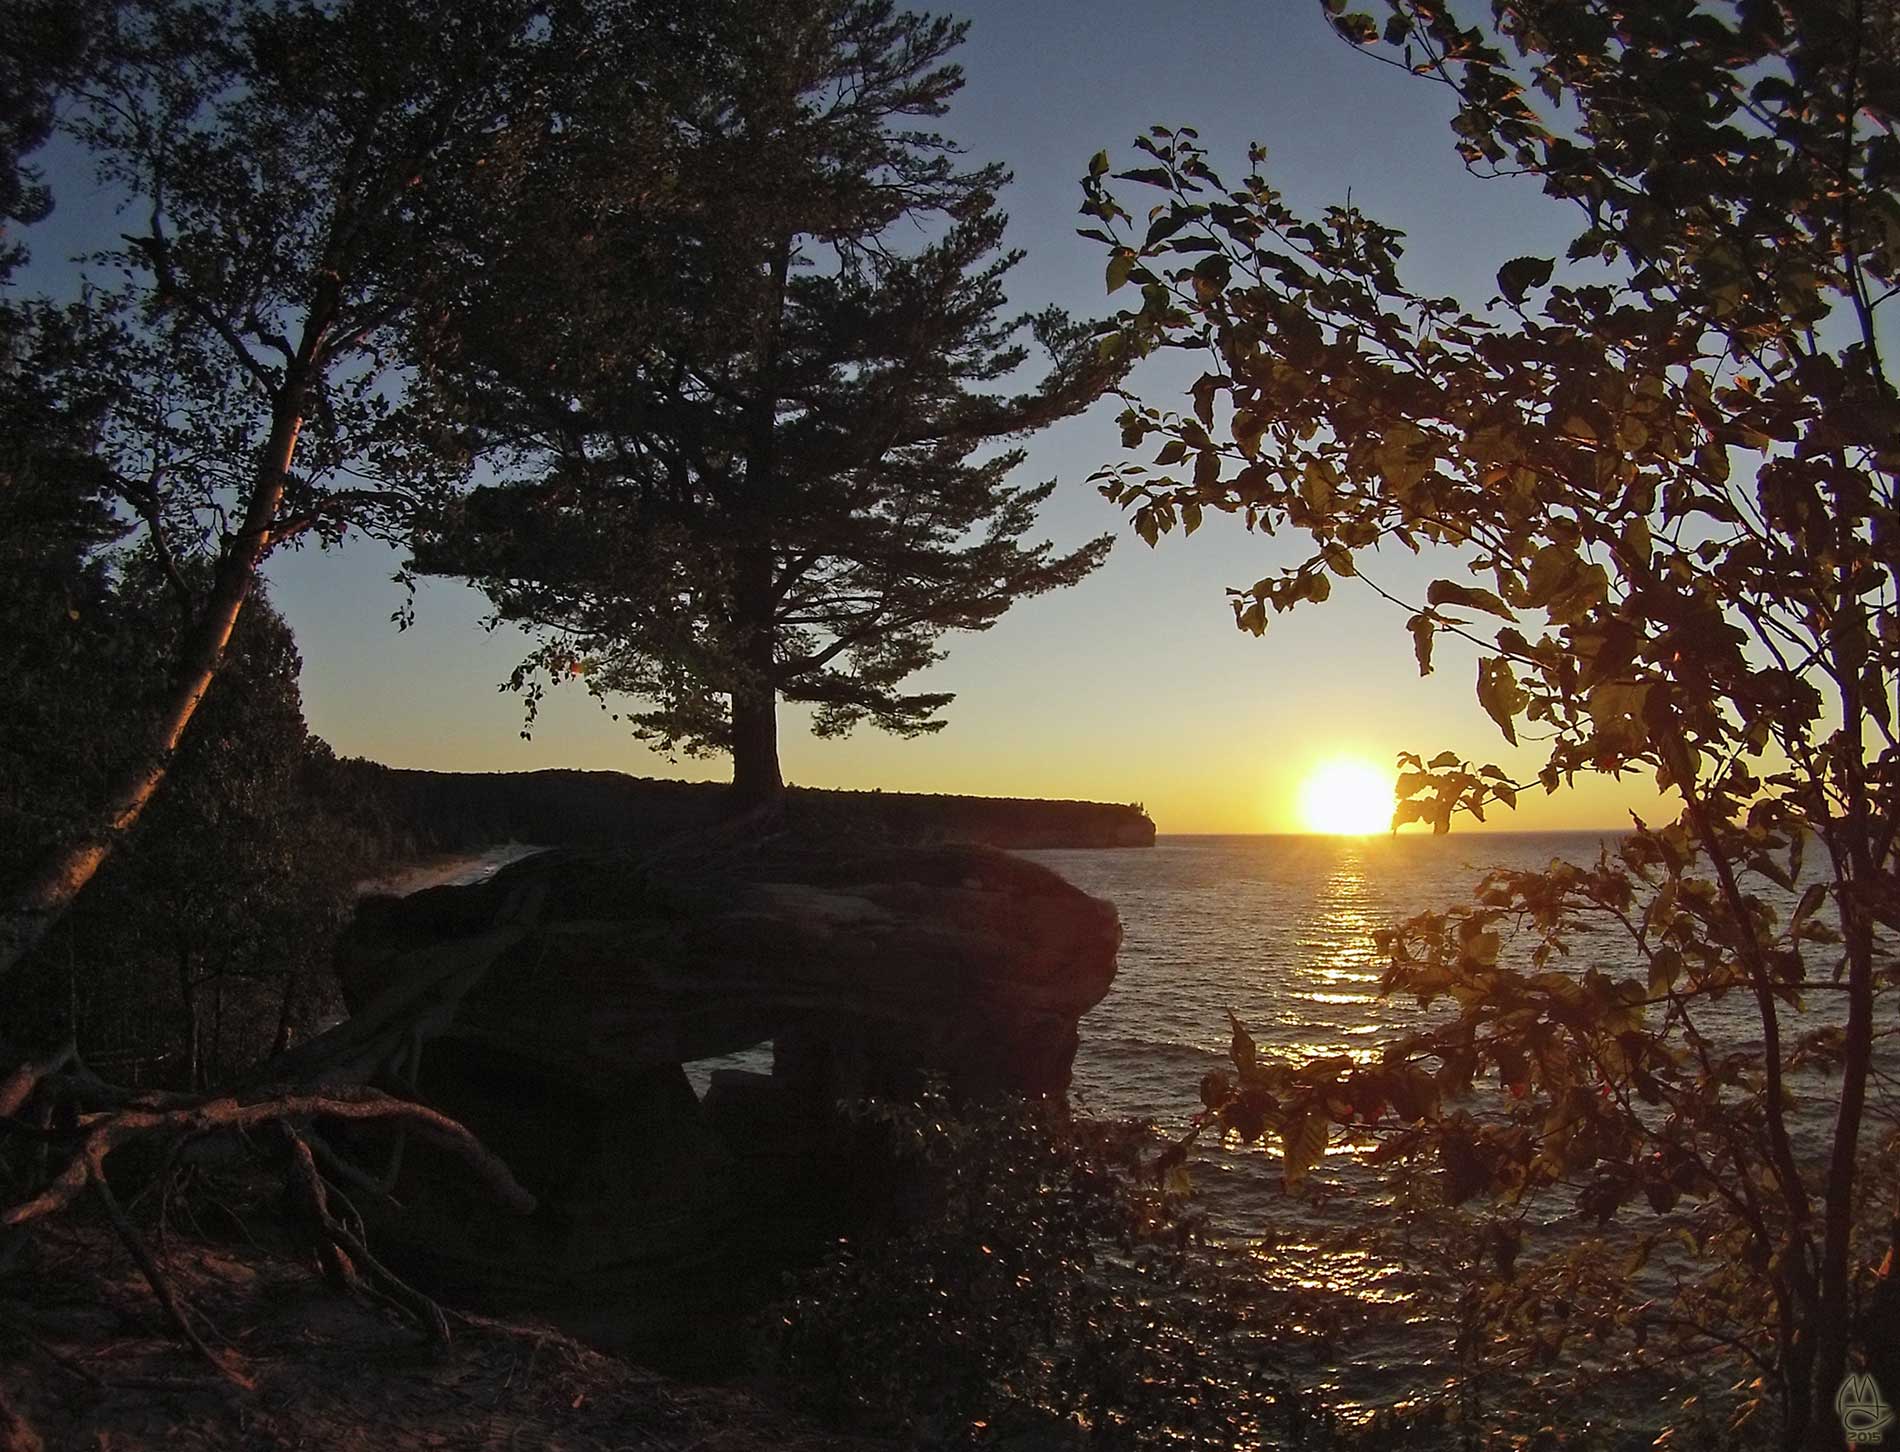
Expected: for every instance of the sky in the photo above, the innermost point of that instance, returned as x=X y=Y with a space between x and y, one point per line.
x=1134 y=685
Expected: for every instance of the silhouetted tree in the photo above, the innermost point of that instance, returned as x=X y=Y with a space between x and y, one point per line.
x=745 y=422
x=203 y=943
x=1669 y=468
x=50 y=44
x=290 y=168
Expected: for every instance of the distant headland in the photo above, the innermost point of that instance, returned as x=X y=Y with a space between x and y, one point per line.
x=439 y=811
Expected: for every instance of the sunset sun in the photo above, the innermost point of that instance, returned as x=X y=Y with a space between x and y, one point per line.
x=1346 y=798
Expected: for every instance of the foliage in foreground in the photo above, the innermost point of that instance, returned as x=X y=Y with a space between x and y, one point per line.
x=1667 y=466
x=203 y=946
x=1040 y=1296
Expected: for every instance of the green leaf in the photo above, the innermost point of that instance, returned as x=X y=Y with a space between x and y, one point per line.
x=1203 y=391
x=1206 y=469
x=1162 y=228
x=1810 y=904
x=1248 y=427
x=1665 y=967
x=1098 y=163
x=1521 y=274
x=1357 y=26
x=1119 y=267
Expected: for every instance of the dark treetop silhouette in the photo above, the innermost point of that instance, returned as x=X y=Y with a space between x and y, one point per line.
x=291 y=170
x=744 y=440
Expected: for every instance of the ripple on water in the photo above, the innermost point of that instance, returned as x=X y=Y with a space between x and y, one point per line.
x=1280 y=930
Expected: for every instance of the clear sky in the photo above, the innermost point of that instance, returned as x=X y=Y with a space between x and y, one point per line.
x=1134 y=686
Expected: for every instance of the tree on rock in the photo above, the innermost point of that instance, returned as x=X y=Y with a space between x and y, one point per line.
x=767 y=471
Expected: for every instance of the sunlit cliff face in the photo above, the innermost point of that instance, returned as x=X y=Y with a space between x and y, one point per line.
x=1346 y=797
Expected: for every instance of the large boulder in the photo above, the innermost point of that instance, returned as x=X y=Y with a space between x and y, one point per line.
x=565 y=992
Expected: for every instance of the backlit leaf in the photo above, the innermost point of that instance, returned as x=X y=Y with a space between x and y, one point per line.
x=1521 y=274
x=1303 y=1136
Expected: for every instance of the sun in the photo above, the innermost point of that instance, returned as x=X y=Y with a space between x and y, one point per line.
x=1347 y=798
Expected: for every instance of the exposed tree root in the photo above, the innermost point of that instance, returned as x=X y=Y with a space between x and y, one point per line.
x=342 y=1252
x=18 y=1086
x=111 y=1129
x=55 y=1103
x=161 y=1285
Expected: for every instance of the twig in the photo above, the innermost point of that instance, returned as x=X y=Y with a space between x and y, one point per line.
x=62 y=1360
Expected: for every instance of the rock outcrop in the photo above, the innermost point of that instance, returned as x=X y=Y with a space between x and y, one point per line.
x=569 y=989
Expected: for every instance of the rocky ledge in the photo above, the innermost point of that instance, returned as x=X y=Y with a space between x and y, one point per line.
x=564 y=994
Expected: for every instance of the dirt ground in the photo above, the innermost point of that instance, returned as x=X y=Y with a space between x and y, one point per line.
x=86 y=1362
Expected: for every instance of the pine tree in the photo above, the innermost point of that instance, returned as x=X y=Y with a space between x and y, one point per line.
x=754 y=460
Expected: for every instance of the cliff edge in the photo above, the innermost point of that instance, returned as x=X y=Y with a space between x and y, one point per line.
x=441 y=811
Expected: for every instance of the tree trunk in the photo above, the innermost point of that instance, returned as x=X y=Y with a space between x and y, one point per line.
x=755 y=770
x=1834 y=1311
x=756 y=778
x=214 y=1061
x=32 y=910
x=1856 y=874
x=286 y=1010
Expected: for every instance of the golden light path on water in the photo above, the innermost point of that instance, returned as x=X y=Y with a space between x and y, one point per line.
x=1281 y=930
x=1358 y=1286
